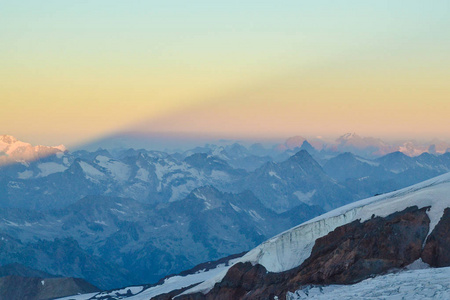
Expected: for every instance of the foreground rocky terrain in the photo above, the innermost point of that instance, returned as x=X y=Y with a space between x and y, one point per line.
x=404 y=230
x=20 y=282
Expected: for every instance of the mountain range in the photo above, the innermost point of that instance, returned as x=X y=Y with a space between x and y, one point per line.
x=366 y=146
x=134 y=216
x=385 y=245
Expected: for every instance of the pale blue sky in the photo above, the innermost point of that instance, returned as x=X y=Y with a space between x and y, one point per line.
x=62 y=60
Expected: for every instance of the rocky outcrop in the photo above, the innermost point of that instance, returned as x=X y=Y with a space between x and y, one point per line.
x=34 y=288
x=348 y=254
x=436 y=252
x=357 y=250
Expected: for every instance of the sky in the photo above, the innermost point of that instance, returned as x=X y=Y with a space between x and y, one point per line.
x=74 y=71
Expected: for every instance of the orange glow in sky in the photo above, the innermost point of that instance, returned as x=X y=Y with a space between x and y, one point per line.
x=260 y=69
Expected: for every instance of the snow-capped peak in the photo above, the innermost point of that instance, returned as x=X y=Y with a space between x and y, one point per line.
x=15 y=150
x=61 y=148
x=7 y=139
x=349 y=136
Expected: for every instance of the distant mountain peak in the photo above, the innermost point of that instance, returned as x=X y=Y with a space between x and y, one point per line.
x=306 y=144
x=302 y=154
x=12 y=150
x=305 y=161
x=308 y=147
x=353 y=137
x=347 y=155
x=294 y=142
x=349 y=136
x=290 y=144
x=396 y=154
x=8 y=139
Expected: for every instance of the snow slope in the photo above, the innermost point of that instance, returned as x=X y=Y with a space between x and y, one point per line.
x=79 y=297
x=177 y=282
x=169 y=284
x=290 y=248
x=411 y=285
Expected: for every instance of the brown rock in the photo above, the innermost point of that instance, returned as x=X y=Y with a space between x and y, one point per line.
x=436 y=252
x=348 y=254
x=357 y=250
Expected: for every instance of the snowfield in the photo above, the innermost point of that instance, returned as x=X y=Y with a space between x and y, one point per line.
x=79 y=297
x=175 y=283
x=410 y=285
x=170 y=284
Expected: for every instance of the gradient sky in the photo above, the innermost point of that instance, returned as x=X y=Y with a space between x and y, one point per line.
x=71 y=71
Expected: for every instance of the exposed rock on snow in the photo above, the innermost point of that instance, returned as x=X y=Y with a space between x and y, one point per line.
x=291 y=248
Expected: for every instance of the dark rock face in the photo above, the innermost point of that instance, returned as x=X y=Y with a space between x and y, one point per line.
x=346 y=255
x=61 y=256
x=355 y=251
x=34 y=288
x=436 y=252
x=23 y=271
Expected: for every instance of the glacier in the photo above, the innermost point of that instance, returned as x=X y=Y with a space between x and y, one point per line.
x=412 y=285
x=290 y=248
